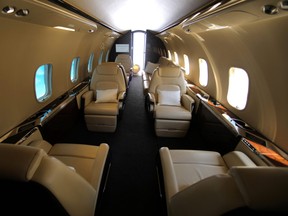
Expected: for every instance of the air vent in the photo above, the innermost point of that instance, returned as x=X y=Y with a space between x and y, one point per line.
x=270 y=9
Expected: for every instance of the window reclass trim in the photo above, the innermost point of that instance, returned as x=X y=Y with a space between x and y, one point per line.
x=186 y=64
x=74 y=69
x=100 y=59
x=169 y=55
x=90 y=63
x=238 y=88
x=176 y=59
x=203 y=72
x=43 y=82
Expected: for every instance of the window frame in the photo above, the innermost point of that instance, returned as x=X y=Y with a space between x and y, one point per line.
x=74 y=74
x=203 y=72
x=186 y=64
x=90 y=63
x=47 y=76
x=238 y=79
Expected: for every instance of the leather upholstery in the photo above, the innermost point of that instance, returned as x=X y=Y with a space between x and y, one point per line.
x=31 y=169
x=205 y=183
x=102 y=116
x=170 y=120
x=126 y=61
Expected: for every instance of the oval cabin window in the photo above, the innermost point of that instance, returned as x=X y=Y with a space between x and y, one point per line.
x=74 y=69
x=43 y=82
x=203 y=72
x=238 y=88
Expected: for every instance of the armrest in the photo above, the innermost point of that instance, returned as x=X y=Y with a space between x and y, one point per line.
x=151 y=101
x=170 y=181
x=262 y=188
x=188 y=102
x=87 y=97
x=42 y=144
x=121 y=96
x=220 y=191
x=237 y=158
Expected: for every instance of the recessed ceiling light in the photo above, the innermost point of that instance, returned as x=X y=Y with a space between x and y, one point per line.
x=8 y=10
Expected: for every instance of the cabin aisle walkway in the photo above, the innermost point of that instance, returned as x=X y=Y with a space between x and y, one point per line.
x=132 y=187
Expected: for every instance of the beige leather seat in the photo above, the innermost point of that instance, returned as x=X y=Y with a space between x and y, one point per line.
x=205 y=183
x=126 y=61
x=168 y=102
x=105 y=100
x=33 y=182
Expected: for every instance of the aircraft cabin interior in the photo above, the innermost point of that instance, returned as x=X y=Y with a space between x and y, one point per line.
x=144 y=107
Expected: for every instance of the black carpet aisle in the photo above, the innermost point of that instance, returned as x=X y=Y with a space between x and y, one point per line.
x=132 y=187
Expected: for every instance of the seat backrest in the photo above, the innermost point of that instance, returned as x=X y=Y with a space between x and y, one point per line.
x=31 y=180
x=245 y=190
x=164 y=61
x=108 y=75
x=125 y=60
x=167 y=75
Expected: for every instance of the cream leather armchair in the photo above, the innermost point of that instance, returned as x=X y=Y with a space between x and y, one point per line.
x=168 y=102
x=105 y=100
x=33 y=182
x=205 y=183
x=126 y=61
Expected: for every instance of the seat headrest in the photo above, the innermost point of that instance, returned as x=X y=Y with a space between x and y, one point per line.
x=19 y=162
x=108 y=68
x=123 y=57
x=169 y=71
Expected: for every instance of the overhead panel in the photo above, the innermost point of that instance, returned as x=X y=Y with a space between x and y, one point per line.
x=154 y=15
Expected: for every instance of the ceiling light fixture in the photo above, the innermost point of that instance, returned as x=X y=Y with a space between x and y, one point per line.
x=22 y=13
x=8 y=10
x=214 y=6
x=270 y=9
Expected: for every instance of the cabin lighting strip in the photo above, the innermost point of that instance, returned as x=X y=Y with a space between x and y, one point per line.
x=65 y=13
x=64 y=28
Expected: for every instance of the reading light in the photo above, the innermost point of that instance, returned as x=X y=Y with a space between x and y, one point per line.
x=22 y=13
x=8 y=10
x=284 y=5
x=64 y=28
x=270 y=9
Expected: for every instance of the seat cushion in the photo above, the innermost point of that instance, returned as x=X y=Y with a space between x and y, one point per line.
x=101 y=109
x=172 y=112
x=87 y=160
x=193 y=166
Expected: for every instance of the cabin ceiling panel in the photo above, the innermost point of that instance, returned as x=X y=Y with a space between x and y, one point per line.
x=44 y=13
x=154 y=15
x=233 y=13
